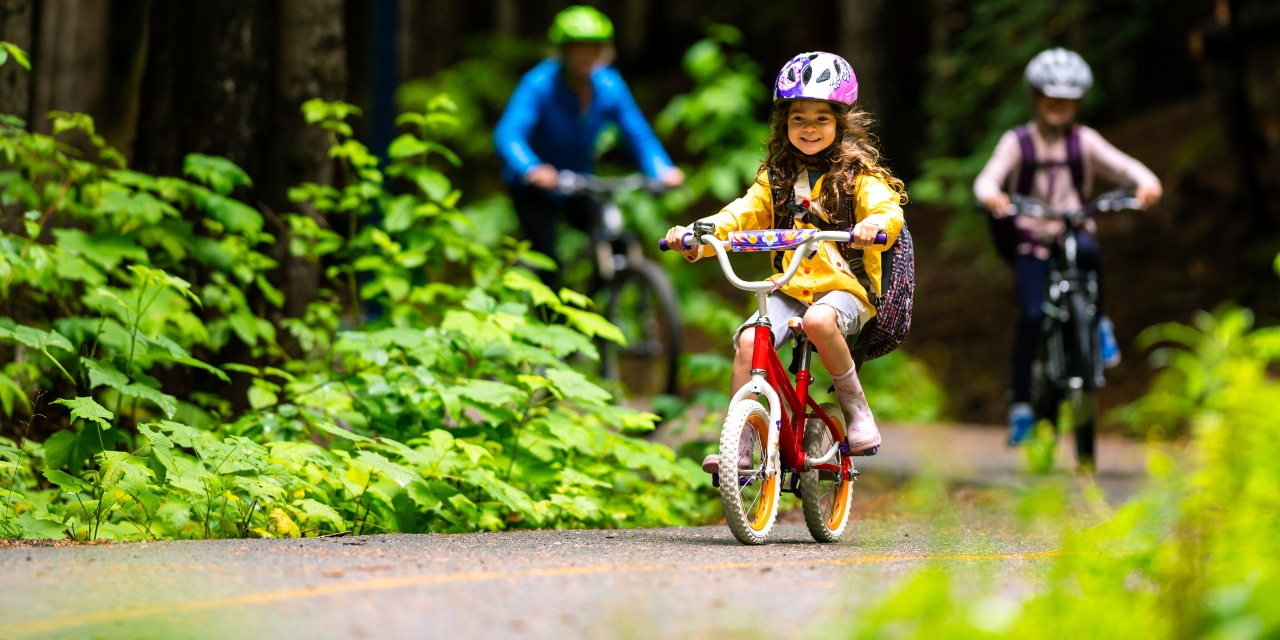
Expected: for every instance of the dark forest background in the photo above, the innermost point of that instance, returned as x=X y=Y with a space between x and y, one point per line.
x=1191 y=87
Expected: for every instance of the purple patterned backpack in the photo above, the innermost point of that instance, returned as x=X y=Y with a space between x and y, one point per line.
x=893 y=305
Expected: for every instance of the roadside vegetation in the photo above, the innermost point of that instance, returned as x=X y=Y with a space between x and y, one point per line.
x=427 y=389
x=1195 y=555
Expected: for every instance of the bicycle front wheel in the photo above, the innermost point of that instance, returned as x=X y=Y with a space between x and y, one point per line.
x=748 y=494
x=825 y=494
x=642 y=303
x=1085 y=354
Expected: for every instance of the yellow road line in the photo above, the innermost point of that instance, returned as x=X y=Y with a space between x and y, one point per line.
x=384 y=584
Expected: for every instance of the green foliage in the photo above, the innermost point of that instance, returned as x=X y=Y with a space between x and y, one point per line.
x=425 y=390
x=1194 y=556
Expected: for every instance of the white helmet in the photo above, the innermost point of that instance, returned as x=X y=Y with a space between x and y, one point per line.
x=1059 y=73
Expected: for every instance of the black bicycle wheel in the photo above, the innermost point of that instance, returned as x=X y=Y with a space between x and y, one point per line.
x=642 y=303
x=1084 y=352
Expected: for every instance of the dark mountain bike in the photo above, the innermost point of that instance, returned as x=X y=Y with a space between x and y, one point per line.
x=634 y=291
x=1068 y=365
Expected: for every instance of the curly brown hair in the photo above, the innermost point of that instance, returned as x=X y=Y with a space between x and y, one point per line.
x=853 y=153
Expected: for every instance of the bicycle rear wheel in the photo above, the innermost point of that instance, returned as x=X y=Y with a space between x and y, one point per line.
x=748 y=495
x=642 y=303
x=825 y=494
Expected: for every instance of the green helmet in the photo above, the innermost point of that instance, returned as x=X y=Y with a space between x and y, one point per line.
x=580 y=23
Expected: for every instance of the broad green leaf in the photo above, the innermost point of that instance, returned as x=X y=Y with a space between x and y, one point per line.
x=105 y=249
x=569 y=296
x=522 y=280
x=260 y=398
x=19 y=56
x=34 y=528
x=405 y=146
x=317 y=512
x=101 y=373
x=122 y=466
x=35 y=338
x=540 y=261
x=396 y=473
x=237 y=216
x=594 y=325
x=12 y=394
x=219 y=174
x=490 y=393
x=434 y=184
x=576 y=386
x=167 y=403
x=88 y=409
x=67 y=482
x=335 y=430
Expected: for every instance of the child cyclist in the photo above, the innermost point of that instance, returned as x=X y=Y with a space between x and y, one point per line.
x=820 y=151
x=1052 y=159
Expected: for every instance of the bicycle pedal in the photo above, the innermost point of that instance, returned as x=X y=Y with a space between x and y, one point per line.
x=867 y=452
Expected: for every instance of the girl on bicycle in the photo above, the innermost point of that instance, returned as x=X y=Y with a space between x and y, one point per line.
x=822 y=171
x=1055 y=160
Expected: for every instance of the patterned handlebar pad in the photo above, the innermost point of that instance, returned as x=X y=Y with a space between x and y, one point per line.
x=769 y=239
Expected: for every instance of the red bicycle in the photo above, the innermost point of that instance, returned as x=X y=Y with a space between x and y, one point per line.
x=795 y=435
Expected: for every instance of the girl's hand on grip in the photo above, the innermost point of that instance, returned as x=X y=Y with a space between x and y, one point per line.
x=864 y=234
x=675 y=240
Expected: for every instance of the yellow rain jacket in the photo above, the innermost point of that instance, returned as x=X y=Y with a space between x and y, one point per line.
x=826 y=270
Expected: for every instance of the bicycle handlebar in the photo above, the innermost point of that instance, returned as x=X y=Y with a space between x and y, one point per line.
x=689 y=242
x=1118 y=200
x=572 y=183
x=767 y=285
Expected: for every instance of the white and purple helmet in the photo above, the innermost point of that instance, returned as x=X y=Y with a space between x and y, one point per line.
x=817 y=75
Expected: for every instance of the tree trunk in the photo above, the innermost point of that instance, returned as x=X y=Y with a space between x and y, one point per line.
x=209 y=83
x=506 y=18
x=71 y=60
x=633 y=29
x=313 y=64
x=429 y=37
x=860 y=45
x=15 y=82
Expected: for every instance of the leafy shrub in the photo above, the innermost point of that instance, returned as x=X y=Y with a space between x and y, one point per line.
x=426 y=389
x=1194 y=556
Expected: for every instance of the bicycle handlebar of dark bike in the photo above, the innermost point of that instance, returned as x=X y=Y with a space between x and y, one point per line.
x=1118 y=200
x=572 y=183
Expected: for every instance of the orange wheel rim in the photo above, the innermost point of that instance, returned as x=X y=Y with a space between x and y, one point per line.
x=759 y=508
x=840 y=501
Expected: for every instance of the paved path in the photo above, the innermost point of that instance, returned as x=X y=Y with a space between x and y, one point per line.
x=686 y=582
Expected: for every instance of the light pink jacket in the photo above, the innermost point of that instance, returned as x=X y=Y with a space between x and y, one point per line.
x=1053 y=184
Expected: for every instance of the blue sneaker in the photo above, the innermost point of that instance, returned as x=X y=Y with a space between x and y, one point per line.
x=1022 y=421
x=1109 y=347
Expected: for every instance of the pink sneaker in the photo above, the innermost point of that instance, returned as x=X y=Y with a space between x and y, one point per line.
x=711 y=463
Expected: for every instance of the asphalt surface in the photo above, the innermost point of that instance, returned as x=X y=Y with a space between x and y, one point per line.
x=682 y=582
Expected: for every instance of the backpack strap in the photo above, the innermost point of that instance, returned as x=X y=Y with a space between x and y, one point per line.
x=784 y=205
x=1075 y=160
x=1027 y=170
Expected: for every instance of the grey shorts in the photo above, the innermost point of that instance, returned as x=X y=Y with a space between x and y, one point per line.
x=851 y=314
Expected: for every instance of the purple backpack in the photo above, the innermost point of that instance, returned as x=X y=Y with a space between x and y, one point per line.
x=1003 y=231
x=884 y=332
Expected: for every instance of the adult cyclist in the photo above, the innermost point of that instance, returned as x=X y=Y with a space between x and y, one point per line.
x=1055 y=160
x=553 y=119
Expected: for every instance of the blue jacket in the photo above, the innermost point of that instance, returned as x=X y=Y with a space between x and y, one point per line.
x=544 y=123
